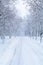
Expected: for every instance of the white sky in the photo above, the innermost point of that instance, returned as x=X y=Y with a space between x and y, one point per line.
x=22 y=8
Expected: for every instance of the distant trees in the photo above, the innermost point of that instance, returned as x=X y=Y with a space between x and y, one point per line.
x=9 y=22
x=5 y=23
x=37 y=16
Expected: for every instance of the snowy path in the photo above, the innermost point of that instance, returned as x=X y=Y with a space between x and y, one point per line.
x=21 y=51
x=32 y=52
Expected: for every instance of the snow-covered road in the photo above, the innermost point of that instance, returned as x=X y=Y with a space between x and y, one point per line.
x=21 y=51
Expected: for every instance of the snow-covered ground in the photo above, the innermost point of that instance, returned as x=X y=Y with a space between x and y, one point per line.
x=21 y=51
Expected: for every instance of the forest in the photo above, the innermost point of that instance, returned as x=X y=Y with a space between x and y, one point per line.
x=15 y=20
